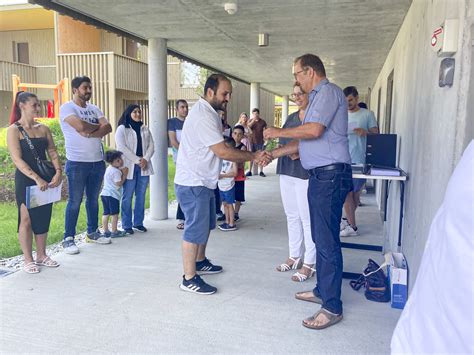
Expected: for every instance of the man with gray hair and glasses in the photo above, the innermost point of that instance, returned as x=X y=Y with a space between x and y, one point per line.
x=324 y=152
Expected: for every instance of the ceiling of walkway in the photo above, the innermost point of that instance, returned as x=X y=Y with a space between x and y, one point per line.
x=353 y=37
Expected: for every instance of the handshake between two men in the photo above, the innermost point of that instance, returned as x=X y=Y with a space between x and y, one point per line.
x=264 y=157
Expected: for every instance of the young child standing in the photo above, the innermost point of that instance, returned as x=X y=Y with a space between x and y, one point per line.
x=114 y=178
x=226 y=185
x=239 y=134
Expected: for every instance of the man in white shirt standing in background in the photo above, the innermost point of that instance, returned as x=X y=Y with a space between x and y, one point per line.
x=197 y=171
x=83 y=126
x=361 y=122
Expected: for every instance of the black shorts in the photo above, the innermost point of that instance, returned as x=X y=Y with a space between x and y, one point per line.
x=111 y=205
x=240 y=191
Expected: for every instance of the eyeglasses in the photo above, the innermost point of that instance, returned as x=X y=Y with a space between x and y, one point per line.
x=297 y=95
x=296 y=73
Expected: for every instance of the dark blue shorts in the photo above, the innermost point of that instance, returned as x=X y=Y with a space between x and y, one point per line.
x=358 y=184
x=240 y=191
x=111 y=205
x=199 y=207
x=228 y=196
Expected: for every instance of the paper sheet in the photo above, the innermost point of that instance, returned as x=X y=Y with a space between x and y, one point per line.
x=36 y=198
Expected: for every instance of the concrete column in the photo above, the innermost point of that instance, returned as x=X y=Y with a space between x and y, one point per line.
x=158 y=108
x=254 y=97
x=285 y=104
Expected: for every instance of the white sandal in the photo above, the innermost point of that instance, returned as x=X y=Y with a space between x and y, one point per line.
x=31 y=268
x=299 y=277
x=48 y=262
x=285 y=267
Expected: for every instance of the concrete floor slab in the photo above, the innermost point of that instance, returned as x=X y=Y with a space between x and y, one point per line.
x=124 y=297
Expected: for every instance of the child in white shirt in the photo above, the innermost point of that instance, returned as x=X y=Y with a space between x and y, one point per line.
x=114 y=178
x=226 y=185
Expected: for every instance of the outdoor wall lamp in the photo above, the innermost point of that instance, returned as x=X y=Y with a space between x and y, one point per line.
x=263 y=39
x=230 y=8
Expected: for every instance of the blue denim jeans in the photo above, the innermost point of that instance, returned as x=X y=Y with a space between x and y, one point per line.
x=137 y=186
x=83 y=176
x=327 y=192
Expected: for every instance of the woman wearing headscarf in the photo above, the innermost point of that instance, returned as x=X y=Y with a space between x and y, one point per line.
x=134 y=139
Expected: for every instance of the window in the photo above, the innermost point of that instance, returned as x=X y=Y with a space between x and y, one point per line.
x=131 y=48
x=21 y=53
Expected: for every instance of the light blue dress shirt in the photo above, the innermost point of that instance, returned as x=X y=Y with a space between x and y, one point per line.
x=327 y=106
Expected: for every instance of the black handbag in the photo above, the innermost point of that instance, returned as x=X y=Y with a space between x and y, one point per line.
x=376 y=283
x=46 y=169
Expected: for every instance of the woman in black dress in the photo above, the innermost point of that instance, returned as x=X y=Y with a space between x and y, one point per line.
x=35 y=220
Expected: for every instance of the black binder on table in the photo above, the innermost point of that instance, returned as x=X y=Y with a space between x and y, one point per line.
x=381 y=150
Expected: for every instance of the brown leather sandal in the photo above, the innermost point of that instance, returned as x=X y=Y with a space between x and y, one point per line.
x=332 y=319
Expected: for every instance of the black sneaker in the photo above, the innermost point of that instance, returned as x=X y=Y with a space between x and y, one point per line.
x=249 y=174
x=221 y=218
x=197 y=285
x=206 y=267
x=262 y=174
x=236 y=217
x=140 y=229
x=128 y=231
x=227 y=227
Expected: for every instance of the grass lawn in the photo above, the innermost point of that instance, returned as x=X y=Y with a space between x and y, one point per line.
x=9 y=245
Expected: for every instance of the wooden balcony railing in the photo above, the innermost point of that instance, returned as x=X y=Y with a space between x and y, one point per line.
x=130 y=74
x=26 y=72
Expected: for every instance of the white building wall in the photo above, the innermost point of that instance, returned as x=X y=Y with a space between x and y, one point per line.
x=434 y=124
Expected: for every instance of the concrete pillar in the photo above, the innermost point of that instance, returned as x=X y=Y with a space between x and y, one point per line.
x=158 y=109
x=254 y=97
x=285 y=104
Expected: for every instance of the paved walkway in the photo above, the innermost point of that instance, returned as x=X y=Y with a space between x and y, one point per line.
x=124 y=297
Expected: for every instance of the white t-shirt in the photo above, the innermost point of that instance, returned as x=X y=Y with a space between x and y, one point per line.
x=79 y=148
x=197 y=165
x=111 y=177
x=227 y=183
x=438 y=317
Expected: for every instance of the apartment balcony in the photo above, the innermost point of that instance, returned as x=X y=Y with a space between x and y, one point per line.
x=27 y=73
x=45 y=74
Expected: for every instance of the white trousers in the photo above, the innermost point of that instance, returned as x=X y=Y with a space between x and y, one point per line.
x=294 y=194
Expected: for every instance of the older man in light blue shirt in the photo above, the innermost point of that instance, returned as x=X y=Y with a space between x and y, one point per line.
x=324 y=151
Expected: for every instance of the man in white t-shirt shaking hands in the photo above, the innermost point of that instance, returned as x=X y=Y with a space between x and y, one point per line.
x=83 y=126
x=201 y=151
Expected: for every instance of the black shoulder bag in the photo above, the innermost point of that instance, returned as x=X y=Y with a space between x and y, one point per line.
x=376 y=283
x=46 y=169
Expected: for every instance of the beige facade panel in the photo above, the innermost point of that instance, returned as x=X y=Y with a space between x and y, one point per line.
x=45 y=75
x=70 y=32
x=175 y=90
x=240 y=102
x=267 y=107
x=40 y=46
x=110 y=42
x=97 y=66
